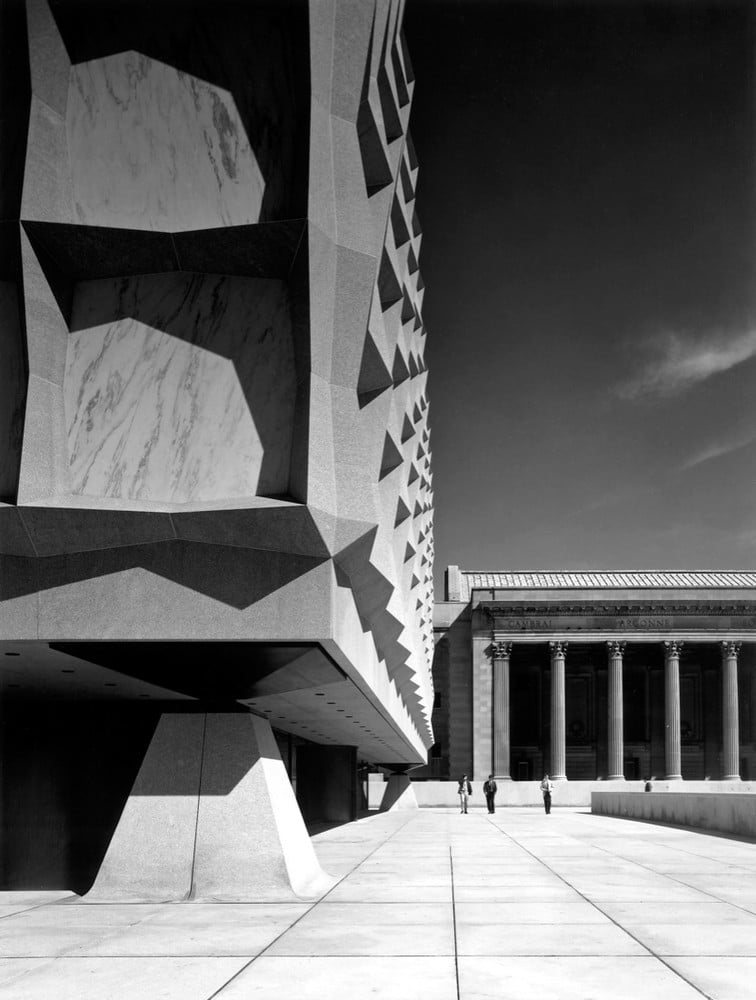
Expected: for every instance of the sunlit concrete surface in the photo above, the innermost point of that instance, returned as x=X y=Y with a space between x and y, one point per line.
x=429 y=903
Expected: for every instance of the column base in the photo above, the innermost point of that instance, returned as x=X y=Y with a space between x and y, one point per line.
x=731 y=777
x=502 y=777
x=615 y=777
x=559 y=777
x=211 y=816
x=672 y=777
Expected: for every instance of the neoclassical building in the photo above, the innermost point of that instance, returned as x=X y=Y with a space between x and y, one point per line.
x=592 y=676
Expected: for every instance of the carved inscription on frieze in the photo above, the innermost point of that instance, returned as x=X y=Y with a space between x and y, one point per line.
x=643 y=622
x=532 y=624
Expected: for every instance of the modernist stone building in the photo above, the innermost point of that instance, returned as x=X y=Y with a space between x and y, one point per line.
x=593 y=676
x=216 y=517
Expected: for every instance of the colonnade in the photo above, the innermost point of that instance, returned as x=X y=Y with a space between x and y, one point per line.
x=501 y=653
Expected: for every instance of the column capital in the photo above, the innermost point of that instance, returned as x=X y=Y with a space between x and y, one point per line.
x=558 y=648
x=500 y=650
x=673 y=647
x=730 y=649
x=616 y=647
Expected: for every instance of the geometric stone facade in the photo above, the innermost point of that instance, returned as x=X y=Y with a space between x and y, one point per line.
x=216 y=487
x=596 y=676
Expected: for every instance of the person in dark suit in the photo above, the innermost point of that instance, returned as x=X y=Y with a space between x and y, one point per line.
x=489 y=790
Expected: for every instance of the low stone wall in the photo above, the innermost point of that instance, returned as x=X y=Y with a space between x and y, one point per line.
x=438 y=794
x=732 y=811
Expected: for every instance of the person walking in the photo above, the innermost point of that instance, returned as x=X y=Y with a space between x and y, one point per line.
x=464 y=791
x=489 y=790
x=546 y=787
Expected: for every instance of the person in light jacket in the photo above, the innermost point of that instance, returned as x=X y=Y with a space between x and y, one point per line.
x=546 y=787
x=464 y=791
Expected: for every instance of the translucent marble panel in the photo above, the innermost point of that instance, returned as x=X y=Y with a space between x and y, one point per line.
x=180 y=387
x=154 y=148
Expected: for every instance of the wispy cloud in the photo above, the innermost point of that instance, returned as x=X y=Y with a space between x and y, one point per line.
x=677 y=362
x=717 y=449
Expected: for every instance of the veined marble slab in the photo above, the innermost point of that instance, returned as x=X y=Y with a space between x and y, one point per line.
x=180 y=387
x=153 y=148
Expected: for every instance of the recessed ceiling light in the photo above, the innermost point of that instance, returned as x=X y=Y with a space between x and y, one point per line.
x=110 y=684
x=12 y=654
x=67 y=671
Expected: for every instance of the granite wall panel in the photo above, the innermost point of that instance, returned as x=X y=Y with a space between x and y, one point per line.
x=12 y=390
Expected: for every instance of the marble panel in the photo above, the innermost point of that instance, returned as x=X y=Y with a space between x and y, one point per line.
x=180 y=388
x=154 y=148
x=12 y=390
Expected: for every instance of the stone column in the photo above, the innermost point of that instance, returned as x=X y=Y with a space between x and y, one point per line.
x=730 y=727
x=558 y=746
x=500 y=653
x=615 y=734
x=672 y=711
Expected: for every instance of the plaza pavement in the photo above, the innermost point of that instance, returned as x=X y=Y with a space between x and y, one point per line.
x=516 y=906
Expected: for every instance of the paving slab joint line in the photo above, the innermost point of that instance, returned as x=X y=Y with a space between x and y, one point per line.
x=34 y=906
x=454 y=920
x=679 y=881
x=307 y=911
x=659 y=958
x=190 y=893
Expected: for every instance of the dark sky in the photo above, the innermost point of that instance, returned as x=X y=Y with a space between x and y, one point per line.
x=586 y=197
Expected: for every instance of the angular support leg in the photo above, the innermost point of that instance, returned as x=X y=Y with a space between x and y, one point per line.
x=212 y=816
x=399 y=794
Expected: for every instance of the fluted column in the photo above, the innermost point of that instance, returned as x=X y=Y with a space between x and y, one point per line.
x=558 y=751
x=730 y=726
x=500 y=652
x=672 y=710
x=615 y=734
